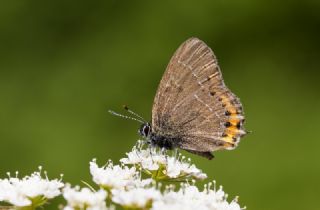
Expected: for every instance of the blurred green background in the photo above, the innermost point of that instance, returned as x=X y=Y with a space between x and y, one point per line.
x=64 y=63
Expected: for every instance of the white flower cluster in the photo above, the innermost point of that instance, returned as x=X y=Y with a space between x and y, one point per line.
x=160 y=166
x=130 y=191
x=116 y=176
x=30 y=190
x=189 y=197
x=84 y=199
x=137 y=198
x=123 y=185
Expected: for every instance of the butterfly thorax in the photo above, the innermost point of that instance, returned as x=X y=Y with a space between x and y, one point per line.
x=159 y=140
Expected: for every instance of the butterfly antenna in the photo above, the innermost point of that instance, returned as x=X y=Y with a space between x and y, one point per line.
x=125 y=116
x=133 y=113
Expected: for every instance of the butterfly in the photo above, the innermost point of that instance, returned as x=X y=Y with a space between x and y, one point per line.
x=193 y=109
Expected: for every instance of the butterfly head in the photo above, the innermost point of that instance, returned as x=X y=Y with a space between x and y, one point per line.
x=145 y=130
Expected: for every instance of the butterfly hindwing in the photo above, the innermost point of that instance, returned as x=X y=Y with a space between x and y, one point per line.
x=192 y=103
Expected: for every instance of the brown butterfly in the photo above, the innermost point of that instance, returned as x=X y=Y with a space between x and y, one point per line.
x=193 y=109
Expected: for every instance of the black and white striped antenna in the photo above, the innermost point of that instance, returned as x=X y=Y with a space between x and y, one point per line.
x=137 y=117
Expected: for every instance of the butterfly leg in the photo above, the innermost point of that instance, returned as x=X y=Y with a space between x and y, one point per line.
x=175 y=155
x=138 y=146
x=150 y=151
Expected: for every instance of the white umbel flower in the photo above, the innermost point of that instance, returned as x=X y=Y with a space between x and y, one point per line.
x=84 y=199
x=189 y=197
x=138 y=198
x=117 y=176
x=161 y=166
x=30 y=190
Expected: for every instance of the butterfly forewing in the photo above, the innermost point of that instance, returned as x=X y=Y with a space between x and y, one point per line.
x=192 y=103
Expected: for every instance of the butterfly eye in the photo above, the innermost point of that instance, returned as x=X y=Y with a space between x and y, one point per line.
x=146 y=130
